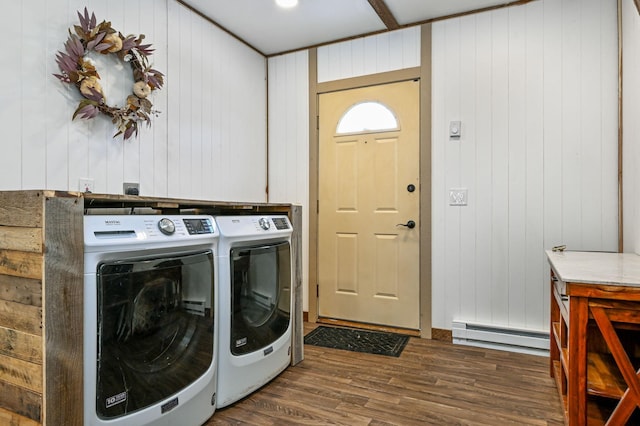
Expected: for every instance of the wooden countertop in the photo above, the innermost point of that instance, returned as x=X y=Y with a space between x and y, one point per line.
x=600 y=268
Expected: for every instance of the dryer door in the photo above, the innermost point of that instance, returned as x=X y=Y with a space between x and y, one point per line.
x=260 y=295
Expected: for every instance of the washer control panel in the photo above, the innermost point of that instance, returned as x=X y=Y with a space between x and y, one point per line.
x=256 y=225
x=270 y=223
x=101 y=230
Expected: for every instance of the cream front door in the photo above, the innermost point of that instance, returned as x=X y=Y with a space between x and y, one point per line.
x=368 y=228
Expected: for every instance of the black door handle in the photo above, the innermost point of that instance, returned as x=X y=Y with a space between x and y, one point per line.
x=410 y=224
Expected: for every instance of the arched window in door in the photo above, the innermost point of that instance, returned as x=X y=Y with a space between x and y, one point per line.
x=367 y=116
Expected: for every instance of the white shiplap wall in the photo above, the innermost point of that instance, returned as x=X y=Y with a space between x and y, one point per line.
x=535 y=87
x=208 y=142
x=289 y=141
x=369 y=55
x=217 y=113
x=631 y=126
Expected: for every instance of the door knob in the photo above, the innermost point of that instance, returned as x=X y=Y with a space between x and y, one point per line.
x=411 y=187
x=410 y=224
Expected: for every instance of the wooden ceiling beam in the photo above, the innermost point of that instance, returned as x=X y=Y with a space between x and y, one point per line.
x=385 y=14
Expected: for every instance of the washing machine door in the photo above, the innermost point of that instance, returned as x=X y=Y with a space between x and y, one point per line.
x=260 y=295
x=155 y=329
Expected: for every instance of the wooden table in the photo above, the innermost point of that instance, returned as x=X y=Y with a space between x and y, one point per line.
x=595 y=335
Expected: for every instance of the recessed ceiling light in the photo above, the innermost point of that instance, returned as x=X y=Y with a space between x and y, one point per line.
x=287 y=3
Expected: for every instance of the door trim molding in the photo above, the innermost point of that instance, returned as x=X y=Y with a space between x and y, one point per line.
x=422 y=73
x=369 y=80
x=425 y=178
x=313 y=186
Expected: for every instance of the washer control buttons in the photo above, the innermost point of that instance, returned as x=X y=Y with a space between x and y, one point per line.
x=264 y=223
x=281 y=223
x=198 y=226
x=166 y=226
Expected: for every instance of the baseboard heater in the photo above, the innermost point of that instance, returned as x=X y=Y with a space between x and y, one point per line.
x=504 y=338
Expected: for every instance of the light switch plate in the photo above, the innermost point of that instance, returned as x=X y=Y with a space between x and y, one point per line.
x=455 y=129
x=458 y=197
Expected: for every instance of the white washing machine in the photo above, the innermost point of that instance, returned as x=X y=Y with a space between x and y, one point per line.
x=150 y=320
x=255 y=273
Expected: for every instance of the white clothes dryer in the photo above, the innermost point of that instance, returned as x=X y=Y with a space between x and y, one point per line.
x=150 y=320
x=255 y=303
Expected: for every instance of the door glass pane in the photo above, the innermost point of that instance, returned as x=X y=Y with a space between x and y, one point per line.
x=155 y=322
x=367 y=117
x=261 y=296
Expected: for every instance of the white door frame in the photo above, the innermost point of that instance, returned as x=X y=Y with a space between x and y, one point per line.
x=423 y=73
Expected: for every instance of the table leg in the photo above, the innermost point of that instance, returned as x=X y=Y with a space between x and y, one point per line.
x=577 y=374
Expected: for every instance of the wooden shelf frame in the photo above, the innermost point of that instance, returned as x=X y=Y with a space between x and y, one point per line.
x=596 y=387
x=41 y=293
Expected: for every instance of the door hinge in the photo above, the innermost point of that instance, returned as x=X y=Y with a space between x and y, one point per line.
x=317 y=122
x=318 y=206
x=317 y=290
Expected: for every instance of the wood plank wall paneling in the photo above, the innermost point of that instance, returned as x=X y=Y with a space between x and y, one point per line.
x=535 y=87
x=10 y=90
x=288 y=149
x=26 y=323
x=63 y=290
x=552 y=128
x=21 y=290
x=21 y=310
x=224 y=104
x=17 y=316
x=212 y=111
x=14 y=397
x=25 y=212
x=534 y=198
x=297 y=333
x=22 y=374
x=369 y=55
x=25 y=239
x=20 y=345
x=631 y=111
x=21 y=263
x=217 y=127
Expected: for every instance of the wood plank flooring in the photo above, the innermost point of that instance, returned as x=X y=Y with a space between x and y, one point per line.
x=432 y=382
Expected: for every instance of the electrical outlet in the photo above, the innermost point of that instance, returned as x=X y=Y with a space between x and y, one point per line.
x=85 y=185
x=131 y=188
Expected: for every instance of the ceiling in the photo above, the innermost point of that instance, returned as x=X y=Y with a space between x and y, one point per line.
x=271 y=30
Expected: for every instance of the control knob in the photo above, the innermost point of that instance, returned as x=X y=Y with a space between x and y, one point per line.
x=166 y=226
x=264 y=223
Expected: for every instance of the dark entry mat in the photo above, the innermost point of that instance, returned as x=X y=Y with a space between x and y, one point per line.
x=372 y=342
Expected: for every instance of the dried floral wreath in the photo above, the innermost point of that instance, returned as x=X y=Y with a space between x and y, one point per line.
x=79 y=70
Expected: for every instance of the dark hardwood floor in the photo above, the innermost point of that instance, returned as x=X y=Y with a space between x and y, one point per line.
x=432 y=382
